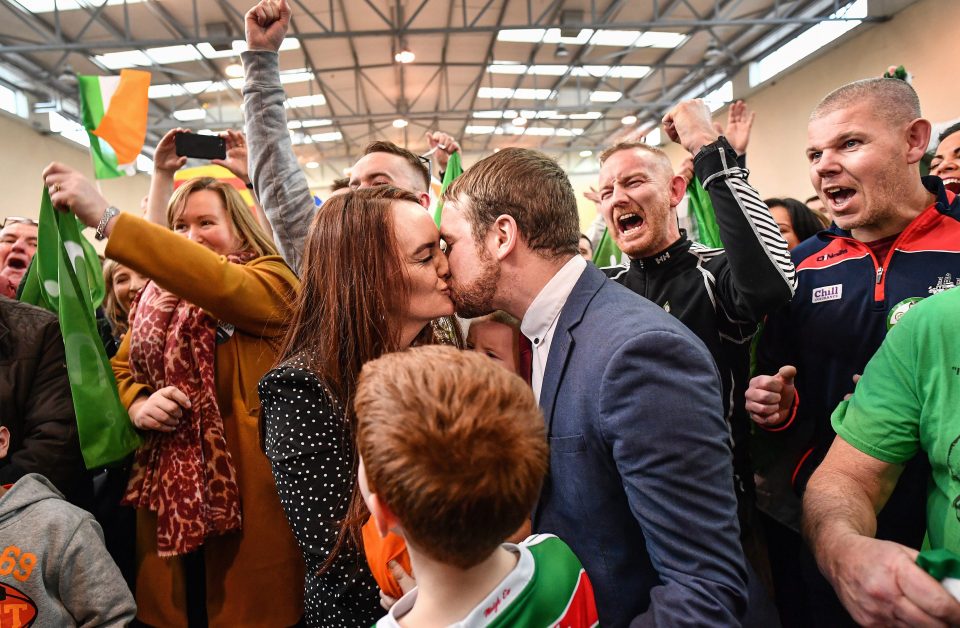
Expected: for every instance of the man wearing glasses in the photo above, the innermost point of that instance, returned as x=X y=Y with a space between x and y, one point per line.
x=18 y=243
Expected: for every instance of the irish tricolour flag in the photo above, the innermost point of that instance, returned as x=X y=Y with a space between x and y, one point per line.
x=114 y=113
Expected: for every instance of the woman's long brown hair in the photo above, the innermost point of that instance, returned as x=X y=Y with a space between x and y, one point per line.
x=353 y=287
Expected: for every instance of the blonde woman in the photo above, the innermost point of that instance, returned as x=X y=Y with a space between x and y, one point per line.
x=213 y=546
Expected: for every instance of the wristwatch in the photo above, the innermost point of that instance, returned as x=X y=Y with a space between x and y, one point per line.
x=107 y=216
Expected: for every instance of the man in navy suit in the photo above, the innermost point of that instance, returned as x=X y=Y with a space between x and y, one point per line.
x=640 y=482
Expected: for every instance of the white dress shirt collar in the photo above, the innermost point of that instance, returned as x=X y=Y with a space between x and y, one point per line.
x=545 y=308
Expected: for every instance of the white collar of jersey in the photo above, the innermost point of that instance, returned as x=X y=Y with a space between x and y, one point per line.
x=490 y=607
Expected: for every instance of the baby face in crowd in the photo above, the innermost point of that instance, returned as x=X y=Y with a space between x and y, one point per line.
x=946 y=162
x=126 y=284
x=856 y=164
x=204 y=220
x=18 y=243
x=495 y=340
x=426 y=266
x=638 y=192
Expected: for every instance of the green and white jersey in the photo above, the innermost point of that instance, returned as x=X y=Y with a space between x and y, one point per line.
x=548 y=587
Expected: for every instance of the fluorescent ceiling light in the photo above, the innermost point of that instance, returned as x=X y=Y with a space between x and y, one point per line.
x=495 y=115
x=807 y=42
x=296 y=76
x=473 y=129
x=590 y=115
x=586 y=153
x=327 y=137
x=186 y=115
x=173 y=54
x=547 y=36
x=508 y=92
x=124 y=59
x=507 y=68
x=519 y=121
x=605 y=96
x=656 y=39
x=234 y=70
x=47 y=6
x=311 y=123
x=400 y=123
x=404 y=56
x=614 y=38
x=618 y=38
x=305 y=101
x=294 y=124
x=313 y=164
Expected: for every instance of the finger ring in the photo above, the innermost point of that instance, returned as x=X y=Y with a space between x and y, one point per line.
x=56 y=188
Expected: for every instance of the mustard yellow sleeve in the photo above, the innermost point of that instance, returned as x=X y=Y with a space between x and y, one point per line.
x=256 y=297
x=129 y=390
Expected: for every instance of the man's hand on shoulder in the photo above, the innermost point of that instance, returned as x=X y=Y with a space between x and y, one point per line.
x=880 y=584
x=266 y=25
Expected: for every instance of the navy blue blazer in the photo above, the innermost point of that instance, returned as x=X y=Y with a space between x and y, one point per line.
x=641 y=480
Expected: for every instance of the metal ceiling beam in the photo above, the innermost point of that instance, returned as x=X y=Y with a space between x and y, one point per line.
x=683 y=24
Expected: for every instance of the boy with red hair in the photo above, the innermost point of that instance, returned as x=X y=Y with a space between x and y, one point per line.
x=452 y=457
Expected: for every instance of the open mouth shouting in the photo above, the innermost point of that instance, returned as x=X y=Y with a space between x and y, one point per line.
x=952 y=184
x=839 y=197
x=17 y=262
x=628 y=224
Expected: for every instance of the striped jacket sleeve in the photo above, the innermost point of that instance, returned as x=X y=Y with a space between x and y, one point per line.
x=759 y=276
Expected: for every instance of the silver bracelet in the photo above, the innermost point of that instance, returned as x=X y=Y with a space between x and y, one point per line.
x=107 y=216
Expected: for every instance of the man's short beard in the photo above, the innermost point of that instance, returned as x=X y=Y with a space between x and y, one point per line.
x=477 y=298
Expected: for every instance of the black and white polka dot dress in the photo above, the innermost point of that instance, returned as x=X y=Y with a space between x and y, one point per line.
x=305 y=440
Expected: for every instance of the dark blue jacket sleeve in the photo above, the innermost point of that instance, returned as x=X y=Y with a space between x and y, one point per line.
x=677 y=474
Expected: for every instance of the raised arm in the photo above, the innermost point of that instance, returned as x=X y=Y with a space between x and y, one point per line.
x=166 y=162
x=678 y=476
x=256 y=297
x=759 y=276
x=279 y=185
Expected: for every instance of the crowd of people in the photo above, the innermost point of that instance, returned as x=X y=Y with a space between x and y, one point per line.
x=353 y=416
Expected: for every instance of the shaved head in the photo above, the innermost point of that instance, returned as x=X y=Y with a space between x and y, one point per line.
x=659 y=156
x=894 y=100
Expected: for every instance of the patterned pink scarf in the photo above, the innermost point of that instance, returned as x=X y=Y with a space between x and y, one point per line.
x=186 y=476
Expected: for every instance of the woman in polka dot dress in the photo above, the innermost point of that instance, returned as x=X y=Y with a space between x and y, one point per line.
x=374 y=281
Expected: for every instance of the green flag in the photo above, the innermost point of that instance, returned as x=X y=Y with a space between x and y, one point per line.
x=454 y=170
x=606 y=252
x=66 y=279
x=701 y=208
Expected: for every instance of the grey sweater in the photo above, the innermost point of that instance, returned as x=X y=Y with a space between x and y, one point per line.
x=54 y=567
x=280 y=185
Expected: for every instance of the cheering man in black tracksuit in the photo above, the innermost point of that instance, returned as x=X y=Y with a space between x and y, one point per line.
x=720 y=294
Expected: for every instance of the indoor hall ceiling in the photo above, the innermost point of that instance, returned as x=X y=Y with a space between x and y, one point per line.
x=559 y=75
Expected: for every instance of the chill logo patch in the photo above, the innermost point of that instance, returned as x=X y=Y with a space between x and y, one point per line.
x=828 y=293
x=898 y=310
x=17 y=610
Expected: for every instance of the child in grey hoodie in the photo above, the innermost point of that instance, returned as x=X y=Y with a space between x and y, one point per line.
x=54 y=568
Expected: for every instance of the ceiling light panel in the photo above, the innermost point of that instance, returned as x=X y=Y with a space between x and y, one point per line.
x=305 y=101
x=605 y=96
x=47 y=6
x=523 y=93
